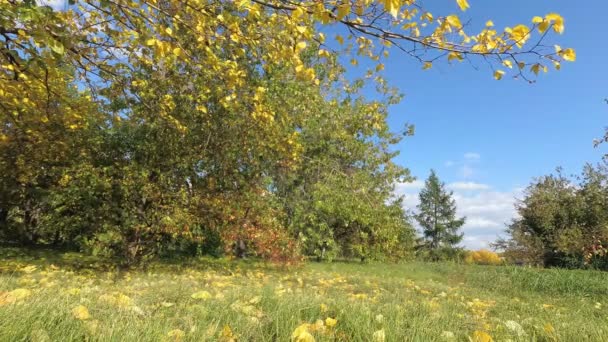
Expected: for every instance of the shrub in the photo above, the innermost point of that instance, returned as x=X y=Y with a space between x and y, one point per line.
x=482 y=257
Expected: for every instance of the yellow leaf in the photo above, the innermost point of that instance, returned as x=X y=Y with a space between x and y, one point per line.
x=304 y=337
x=543 y=26
x=489 y=23
x=557 y=65
x=481 y=336
x=558 y=48
x=300 y=46
x=150 y=41
x=168 y=31
x=427 y=65
x=81 y=312
x=343 y=10
x=454 y=55
x=454 y=21
x=14 y=296
x=537 y=20
x=568 y=55
x=297 y=13
x=520 y=34
x=227 y=334
x=28 y=269
x=535 y=68
x=507 y=63
x=549 y=329
x=558 y=22
x=380 y=67
x=323 y=53
x=300 y=331
x=241 y=4
x=331 y=322
x=463 y=4
x=392 y=6
x=340 y=39
x=498 y=74
x=177 y=51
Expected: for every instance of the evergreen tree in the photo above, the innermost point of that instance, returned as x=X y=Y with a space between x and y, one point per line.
x=437 y=215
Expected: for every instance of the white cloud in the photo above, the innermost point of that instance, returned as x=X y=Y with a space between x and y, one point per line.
x=472 y=156
x=483 y=222
x=449 y=163
x=488 y=211
x=417 y=184
x=468 y=186
x=466 y=171
x=54 y=4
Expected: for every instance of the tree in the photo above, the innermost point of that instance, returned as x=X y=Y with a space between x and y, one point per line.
x=562 y=221
x=437 y=215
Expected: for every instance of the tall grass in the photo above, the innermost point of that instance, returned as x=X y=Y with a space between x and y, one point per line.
x=221 y=300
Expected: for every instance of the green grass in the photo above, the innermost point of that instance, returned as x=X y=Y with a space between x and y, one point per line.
x=259 y=302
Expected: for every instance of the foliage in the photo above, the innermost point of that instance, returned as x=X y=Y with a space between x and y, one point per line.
x=139 y=128
x=563 y=221
x=482 y=257
x=437 y=217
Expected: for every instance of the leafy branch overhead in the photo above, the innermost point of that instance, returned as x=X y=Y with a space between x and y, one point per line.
x=410 y=28
x=103 y=39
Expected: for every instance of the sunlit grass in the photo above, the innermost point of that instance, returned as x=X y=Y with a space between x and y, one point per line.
x=63 y=297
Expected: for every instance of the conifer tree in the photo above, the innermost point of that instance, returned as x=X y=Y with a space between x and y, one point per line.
x=437 y=215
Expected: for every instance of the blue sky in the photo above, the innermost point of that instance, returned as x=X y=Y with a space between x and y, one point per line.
x=489 y=138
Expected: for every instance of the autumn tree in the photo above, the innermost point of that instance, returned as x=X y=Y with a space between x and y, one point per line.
x=437 y=215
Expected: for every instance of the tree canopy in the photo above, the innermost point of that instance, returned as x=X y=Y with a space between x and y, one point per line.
x=562 y=221
x=137 y=128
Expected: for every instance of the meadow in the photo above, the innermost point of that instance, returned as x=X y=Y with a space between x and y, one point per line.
x=50 y=296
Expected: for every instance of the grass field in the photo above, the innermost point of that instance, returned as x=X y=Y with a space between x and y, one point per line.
x=67 y=297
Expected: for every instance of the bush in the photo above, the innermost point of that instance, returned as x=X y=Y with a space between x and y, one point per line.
x=482 y=257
